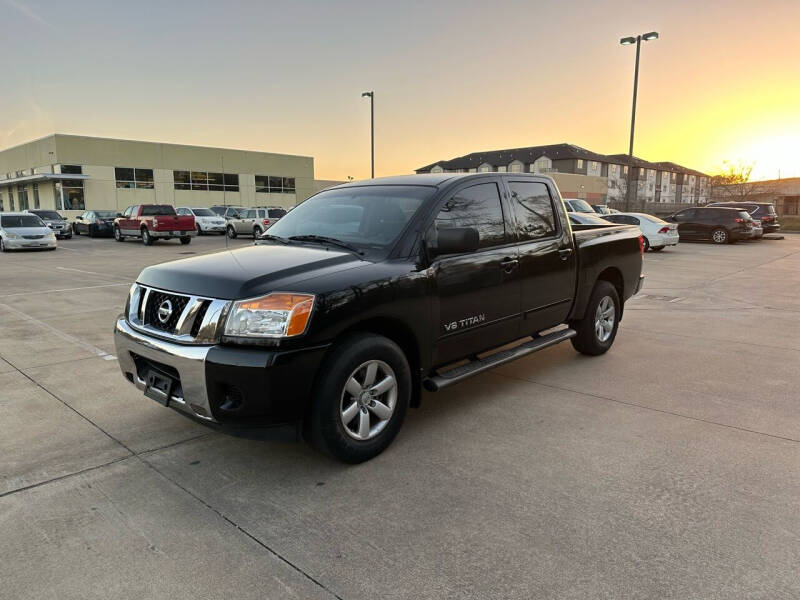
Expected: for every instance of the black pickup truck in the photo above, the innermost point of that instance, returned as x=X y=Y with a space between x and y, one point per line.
x=368 y=292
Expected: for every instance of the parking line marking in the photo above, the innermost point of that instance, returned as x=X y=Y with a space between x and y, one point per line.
x=57 y=332
x=87 y=287
x=91 y=273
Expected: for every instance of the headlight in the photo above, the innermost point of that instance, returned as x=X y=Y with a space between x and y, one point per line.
x=12 y=236
x=51 y=234
x=271 y=316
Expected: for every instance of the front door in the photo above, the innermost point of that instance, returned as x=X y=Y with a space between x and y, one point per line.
x=547 y=258
x=687 y=225
x=477 y=295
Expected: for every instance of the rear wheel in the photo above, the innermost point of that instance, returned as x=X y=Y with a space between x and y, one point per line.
x=185 y=240
x=360 y=399
x=598 y=327
x=720 y=236
x=657 y=248
x=147 y=239
x=231 y=232
x=91 y=231
x=257 y=232
x=646 y=244
x=118 y=234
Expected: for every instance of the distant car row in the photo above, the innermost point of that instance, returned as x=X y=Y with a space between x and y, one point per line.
x=149 y=222
x=720 y=222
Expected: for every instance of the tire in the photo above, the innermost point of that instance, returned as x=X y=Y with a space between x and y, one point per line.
x=2 y=246
x=75 y=229
x=199 y=231
x=118 y=234
x=91 y=232
x=593 y=338
x=185 y=240
x=147 y=239
x=720 y=236
x=257 y=231
x=657 y=248
x=327 y=427
x=646 y=244
x=232 y=232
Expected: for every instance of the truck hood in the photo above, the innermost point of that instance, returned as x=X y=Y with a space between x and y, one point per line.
x=247 y=272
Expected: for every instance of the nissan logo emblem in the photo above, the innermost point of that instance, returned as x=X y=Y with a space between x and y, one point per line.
x=164 y=311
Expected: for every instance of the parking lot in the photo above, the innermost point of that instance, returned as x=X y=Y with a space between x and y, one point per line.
x=667 y=468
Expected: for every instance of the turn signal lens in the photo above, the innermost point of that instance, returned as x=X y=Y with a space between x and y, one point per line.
x=273 y=315
x=641 y=245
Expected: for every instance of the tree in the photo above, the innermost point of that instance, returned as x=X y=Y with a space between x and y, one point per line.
x=733 y=183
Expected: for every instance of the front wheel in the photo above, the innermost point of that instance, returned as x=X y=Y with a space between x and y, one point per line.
x=720 y=236
x=2 y=245
x=185 y=240
x=199 y=231
x=118 y=234
x=598 y=327
x=75 y=229
x=360 y=399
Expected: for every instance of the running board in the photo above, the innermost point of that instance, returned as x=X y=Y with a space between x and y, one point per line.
x=479 y=365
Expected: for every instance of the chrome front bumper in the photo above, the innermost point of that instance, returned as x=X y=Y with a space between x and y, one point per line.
x=188 y=360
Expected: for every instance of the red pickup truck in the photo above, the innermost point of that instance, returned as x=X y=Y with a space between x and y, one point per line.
x=154 y=221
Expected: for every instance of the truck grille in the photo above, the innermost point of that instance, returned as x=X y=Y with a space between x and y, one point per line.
x=182 y=318
x=161 y=305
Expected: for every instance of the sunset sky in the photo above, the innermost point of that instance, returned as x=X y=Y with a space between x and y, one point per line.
x=722 y=82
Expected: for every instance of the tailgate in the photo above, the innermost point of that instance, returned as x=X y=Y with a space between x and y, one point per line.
x=174 y=223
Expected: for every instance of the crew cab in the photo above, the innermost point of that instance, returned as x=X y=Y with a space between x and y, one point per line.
x=154 y=221
x=368 y=292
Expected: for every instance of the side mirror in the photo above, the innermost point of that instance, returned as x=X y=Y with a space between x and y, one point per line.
x=456 y=240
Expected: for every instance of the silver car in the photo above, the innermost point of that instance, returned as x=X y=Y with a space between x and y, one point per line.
x=54 y=221
x=23 y=230
x=254 y=221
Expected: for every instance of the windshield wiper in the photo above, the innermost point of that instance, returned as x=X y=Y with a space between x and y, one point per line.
x=272 y=238
x=322 y=239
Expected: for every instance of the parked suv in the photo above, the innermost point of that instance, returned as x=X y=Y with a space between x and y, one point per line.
x=228 y=212
x=761 y=211
x=254 y=221
x=205 y=219
x=718 y=224
x=54 y=221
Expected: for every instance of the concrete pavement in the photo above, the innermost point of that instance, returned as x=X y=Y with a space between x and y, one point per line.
x=667 y=468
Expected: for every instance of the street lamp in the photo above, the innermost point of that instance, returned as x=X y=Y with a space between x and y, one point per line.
x=627 y=41
x=371 y=96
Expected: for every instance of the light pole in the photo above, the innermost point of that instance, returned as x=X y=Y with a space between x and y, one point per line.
x=627 y=41
x=371 y=128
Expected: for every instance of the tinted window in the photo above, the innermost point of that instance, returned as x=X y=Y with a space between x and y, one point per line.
x=105 y=214
x=218 y=210
x=250 y=214
x=182 y=180
x=477 y=206
x=49 y=214
x=276 y=213
x=21 y=221
x=685 y=215
x=533 y=208
x=203 y=212
x=71 y=169
x=157 y=210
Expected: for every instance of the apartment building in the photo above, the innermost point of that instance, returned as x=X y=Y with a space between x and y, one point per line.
x=598 y=178
x=72 y=173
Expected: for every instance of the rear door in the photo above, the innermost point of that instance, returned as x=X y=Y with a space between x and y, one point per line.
x=476 y=301
x=547 y=261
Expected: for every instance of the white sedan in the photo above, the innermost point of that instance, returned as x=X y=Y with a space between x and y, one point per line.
x=658 y=234
x=24 y=230
x=205 y=219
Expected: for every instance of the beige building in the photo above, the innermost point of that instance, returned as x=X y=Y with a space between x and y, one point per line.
x=72 y=173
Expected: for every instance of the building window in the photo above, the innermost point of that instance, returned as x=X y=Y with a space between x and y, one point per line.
x=484 y=169
x=613 y=169
x=22 y=196
x=593 y=165
x=270 y=184
x=134 y=178
x=35 y=195
x=515 y=168
x=204 y=182
x=1 y=201
x=579 y=163
x=472 y=170
x=68 y=194
x=436 y=169
x=502 y=169
x=625 y=170
x=71 y=170
x=11 y=199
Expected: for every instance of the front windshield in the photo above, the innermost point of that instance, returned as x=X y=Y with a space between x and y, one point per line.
x=105 y=214
x=49 y=214
x=203 y=212
x=580 y=206
x=370 y=216
x=11 y=221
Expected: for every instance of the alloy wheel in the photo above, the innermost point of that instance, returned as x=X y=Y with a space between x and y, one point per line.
x=719 y=236
x=368 y=400
x=604 y=319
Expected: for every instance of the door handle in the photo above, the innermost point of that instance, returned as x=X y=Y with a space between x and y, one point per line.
x=509 y=264
x=565 y=253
